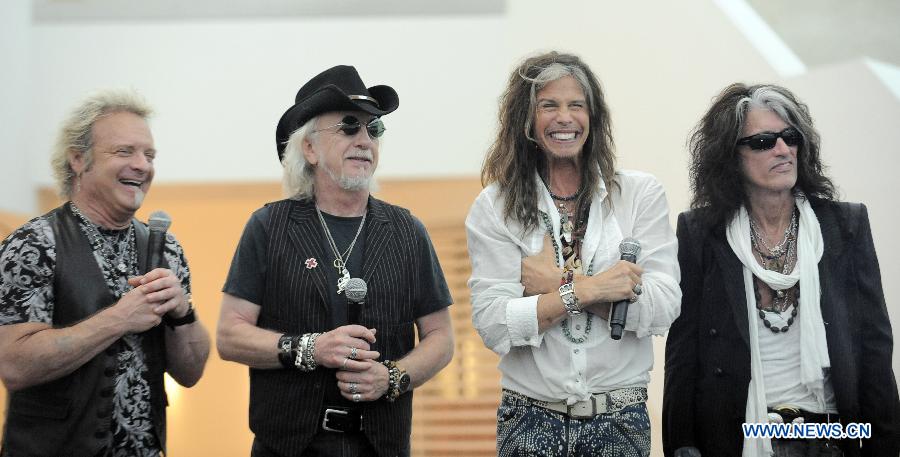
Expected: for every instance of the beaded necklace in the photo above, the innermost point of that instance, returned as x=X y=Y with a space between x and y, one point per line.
x=781 y=258
x=575 y=237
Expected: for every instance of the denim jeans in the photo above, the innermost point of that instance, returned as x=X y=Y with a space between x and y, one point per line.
x=805 y=448
x=527 y=430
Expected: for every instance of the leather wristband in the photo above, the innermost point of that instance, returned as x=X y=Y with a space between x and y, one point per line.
x=188 y=318
x=286 y=350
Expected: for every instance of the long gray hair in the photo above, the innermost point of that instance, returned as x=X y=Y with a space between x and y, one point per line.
x=298 y=179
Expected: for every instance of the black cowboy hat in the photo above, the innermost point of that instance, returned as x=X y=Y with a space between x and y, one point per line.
x=336 y=89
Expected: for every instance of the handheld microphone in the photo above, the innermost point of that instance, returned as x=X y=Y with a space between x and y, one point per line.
x=629 y=247
x=355 y=290
x=159 y=223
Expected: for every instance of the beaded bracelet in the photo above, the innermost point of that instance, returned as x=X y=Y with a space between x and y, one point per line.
x=393 y=390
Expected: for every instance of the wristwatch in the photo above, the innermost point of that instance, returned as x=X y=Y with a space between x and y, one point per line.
x=570 y=301
x=403 y=384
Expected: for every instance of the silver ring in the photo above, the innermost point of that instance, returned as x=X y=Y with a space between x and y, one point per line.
x=353 y=353
x=356 y=397
x=354 y=388
x=637 y=289
x=344 y=365
x=632 y=299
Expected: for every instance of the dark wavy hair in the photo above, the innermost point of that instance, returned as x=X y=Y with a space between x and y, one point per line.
x=717 y=181
x=514 y=156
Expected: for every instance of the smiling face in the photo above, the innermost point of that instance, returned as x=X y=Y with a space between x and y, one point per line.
x=121 y=169
x=349 y=161
x=562 y=119
x=772 y=170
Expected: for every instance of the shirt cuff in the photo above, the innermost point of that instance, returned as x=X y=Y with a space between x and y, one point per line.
x=521 y=321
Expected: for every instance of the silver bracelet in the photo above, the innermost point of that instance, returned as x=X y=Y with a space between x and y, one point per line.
x=310 y=361
x=300 y=360
x=569 y=299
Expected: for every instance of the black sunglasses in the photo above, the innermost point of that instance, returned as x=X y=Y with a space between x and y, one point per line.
x=350 y=126
x=767 y=140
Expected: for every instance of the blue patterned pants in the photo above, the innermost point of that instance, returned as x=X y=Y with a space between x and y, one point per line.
x=527 y=430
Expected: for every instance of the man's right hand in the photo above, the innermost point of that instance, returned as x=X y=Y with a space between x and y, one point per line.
x=136 y=312
x=334 y=348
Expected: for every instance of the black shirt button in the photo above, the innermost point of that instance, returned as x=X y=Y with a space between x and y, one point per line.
x=109 y=372
x=718 y=371
x=106 y=392
x=713 y=332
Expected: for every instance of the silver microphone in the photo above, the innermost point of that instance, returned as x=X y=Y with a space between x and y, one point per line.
x=355 y=290
x=630 y=248
x=158 y=223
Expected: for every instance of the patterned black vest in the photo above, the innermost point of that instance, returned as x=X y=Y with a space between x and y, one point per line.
x=285 y=404
x=71 y=416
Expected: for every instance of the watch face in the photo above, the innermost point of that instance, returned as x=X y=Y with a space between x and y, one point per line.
x=403 y=384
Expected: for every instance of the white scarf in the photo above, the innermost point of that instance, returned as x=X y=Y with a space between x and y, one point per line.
x=813 y=347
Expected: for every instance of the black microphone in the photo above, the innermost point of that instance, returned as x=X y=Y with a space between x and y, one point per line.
x=356 y=297
x=159 y=222
x=629 y=247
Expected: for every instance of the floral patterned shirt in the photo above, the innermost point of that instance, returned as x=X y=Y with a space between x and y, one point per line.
x=27 y=263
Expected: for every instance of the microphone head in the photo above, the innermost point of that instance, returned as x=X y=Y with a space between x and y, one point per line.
x=159 y=221
x=630 y=246
x=356 y=289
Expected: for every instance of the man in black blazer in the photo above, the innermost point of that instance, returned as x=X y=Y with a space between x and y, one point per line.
x=708 y=371
x=328 y=287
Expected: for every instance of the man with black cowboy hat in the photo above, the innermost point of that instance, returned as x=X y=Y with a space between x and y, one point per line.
x=321 y=381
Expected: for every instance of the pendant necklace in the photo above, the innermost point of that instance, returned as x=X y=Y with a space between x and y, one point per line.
x=100 y=244
x=340 y=259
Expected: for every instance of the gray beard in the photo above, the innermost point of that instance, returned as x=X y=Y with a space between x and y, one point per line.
x=139 y=198
x=347 y=183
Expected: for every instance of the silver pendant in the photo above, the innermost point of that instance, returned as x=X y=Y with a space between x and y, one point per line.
x=342 y=281
x=121 y=267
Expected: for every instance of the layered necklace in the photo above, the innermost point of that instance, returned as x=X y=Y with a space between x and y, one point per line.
x=115 y=264
x=340 y=258
x=572 y=225
x=781 y=258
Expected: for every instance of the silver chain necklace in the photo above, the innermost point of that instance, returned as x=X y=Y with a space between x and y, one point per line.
x=779 y=249
x=120 y=263
x=340 y=259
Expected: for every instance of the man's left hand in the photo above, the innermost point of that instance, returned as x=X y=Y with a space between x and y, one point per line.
x=163 y=291
x=370 y=384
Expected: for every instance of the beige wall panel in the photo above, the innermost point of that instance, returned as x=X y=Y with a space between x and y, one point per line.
x=211 y=418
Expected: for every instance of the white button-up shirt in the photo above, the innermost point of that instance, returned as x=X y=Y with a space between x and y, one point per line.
x=548 y=366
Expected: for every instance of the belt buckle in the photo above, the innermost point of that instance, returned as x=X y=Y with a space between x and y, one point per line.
x=779 y=413
x=574 y=415
x=328 y=412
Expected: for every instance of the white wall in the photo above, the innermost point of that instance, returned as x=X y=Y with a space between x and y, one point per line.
x=16 y=183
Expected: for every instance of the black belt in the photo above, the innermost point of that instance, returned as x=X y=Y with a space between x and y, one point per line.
x=341 y=420
x=789 y=414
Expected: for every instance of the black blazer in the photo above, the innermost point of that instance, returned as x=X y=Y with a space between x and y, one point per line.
x=707 y=371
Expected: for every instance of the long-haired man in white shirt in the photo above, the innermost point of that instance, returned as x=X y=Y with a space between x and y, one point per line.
x=544 y=240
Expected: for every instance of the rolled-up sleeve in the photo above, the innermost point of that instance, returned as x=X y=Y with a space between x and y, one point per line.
x=500 y=314
x=660 y=301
